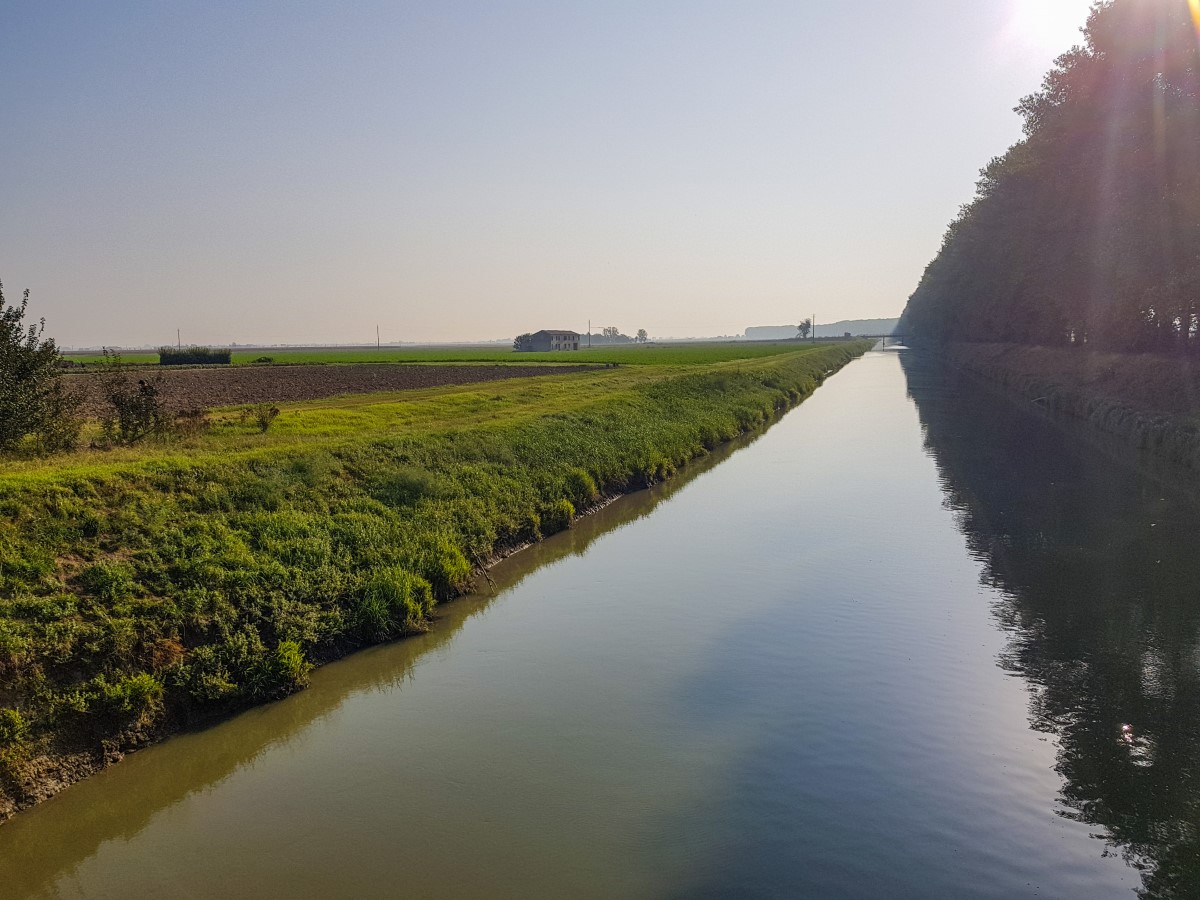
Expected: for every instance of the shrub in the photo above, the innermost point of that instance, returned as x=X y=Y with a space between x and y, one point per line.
x=14 y=647
x=446 y=568
x=13 y=729
x=393 y=602
x=557 y=516
x=135 y=409
x=42 y=609
x=532 y=527
x=193 y=356
x=205 y=676
x=61 y=421
x=581 y=488
x=280 y=672
x=108 y=581
x=13 y=747
x=130 y=695
x=33 y=400
x=264 y=414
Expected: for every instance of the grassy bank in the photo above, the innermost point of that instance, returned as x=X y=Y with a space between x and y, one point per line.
x=145 y=589
x=1150 y=401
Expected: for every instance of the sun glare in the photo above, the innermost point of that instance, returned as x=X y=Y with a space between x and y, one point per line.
x=1195 y=5
x=1050 y=25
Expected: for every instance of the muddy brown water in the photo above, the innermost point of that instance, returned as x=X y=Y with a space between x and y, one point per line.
x=884 y=650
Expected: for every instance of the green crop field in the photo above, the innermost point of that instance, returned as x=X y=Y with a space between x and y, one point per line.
x=148 y=587
x=622 y=354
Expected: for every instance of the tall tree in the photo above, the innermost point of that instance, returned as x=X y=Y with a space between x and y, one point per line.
x=1089 y=228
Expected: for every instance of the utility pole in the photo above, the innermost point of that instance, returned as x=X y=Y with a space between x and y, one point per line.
x=814 y=317
x=376 y=337
x=178 y=344
x=589 y=334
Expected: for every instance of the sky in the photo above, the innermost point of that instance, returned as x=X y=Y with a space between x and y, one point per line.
x=300 y=172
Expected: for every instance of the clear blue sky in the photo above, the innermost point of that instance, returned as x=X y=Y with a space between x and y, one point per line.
x=299 y=171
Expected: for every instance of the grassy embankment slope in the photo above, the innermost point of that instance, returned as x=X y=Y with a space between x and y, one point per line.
x=147 y=588
x=1150 y=401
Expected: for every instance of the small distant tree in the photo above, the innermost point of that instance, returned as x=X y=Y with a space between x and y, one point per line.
x=611 y=332
x=642 y=337
x=33 y=399
x=805 y=328
x=523 y=342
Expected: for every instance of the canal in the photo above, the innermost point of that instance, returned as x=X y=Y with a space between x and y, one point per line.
x=884 y=649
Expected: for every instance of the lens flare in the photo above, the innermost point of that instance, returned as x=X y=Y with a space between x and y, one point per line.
x=1195 y=7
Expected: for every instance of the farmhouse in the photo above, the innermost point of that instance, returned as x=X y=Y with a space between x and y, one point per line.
x=555 y=340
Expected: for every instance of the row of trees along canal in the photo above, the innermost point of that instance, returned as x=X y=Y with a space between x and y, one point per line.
x=1087 y=230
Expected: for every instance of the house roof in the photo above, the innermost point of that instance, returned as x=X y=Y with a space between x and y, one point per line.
x=549 y=332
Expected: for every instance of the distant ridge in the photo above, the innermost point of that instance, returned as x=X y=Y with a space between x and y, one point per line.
x=833 y=329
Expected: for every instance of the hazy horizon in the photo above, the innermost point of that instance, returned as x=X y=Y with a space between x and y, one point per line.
x=596 y=332
x=296 y=173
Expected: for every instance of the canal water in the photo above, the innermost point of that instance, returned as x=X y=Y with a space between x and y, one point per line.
x=885 y=649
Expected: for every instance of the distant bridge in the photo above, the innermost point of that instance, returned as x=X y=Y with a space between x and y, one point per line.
x=886 y=338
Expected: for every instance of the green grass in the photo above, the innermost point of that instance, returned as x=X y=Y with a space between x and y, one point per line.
x=646 y=354
x=143 y=588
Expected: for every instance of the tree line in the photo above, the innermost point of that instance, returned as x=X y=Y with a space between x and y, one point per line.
x=614 y=335
x=1088 y=229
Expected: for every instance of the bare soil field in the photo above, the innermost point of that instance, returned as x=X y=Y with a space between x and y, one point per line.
x=229 y=386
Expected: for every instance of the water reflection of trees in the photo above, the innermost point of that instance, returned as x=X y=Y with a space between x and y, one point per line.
x=1097 y=562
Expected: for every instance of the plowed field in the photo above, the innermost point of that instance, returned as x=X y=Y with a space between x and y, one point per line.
x=211 y=387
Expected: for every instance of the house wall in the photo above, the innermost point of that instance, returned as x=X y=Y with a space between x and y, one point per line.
x=546 y=342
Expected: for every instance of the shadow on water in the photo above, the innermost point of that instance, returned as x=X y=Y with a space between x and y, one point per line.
x=1095 y=558
x=117 y=804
